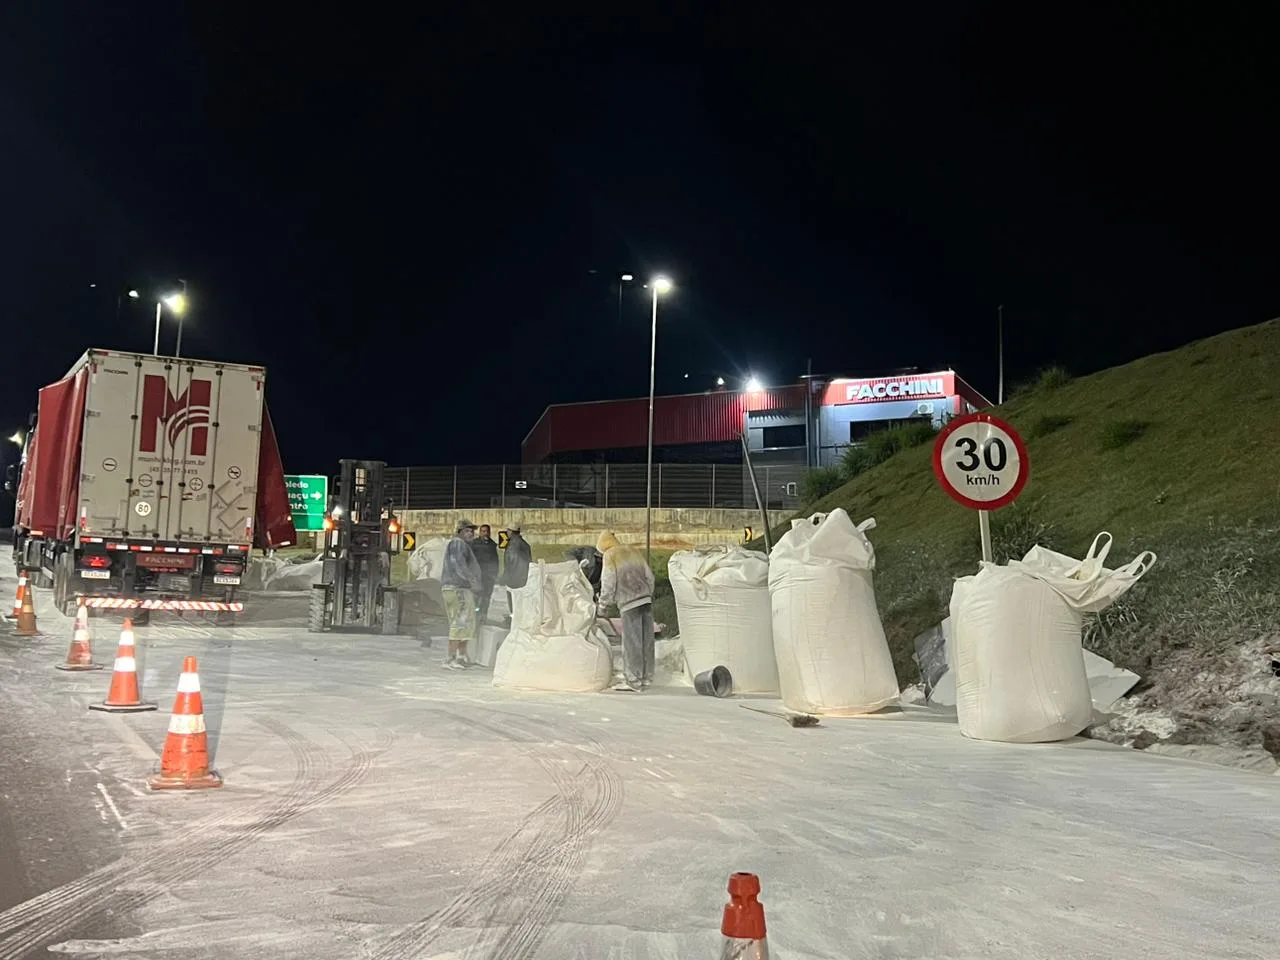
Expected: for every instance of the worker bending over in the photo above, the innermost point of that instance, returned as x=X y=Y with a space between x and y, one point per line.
x=627 y=581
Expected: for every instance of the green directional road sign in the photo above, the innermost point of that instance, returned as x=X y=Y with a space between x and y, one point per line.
x=308 y=496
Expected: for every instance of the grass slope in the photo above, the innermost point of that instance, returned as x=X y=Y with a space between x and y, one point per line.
x=1178 y=453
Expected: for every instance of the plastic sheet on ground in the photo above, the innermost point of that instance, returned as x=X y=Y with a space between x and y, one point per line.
x=1019 y=665
x=295 y=576
x=554 y=643
x=722 y=598
x=831 y=650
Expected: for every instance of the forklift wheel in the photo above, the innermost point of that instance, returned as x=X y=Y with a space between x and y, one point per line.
x=316 y=609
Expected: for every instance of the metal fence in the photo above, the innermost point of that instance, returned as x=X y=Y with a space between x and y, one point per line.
x=592 y=485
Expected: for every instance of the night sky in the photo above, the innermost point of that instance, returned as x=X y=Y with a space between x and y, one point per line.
x=411 y=210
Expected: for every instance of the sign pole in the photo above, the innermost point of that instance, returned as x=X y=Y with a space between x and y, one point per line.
x=984 y=527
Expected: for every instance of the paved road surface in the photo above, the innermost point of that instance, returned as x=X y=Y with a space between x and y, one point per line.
x=378 y=806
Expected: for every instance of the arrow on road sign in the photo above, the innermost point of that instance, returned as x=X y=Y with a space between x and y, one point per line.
x=409 y=541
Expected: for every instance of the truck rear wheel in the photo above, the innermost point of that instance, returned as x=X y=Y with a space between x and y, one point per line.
x=316 y=620
x=63 y=571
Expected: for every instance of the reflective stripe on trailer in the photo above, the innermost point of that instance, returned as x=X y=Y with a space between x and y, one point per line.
x=132 y=603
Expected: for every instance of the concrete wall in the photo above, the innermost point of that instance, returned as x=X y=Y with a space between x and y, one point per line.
x=672 y=527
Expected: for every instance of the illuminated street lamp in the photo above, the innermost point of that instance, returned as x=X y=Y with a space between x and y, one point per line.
x=177 y=304
x=658 y=285
x=753 y=384
x=16 y=438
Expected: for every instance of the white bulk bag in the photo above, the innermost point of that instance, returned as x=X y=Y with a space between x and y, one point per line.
x=1020 y=670
x=427 y=560
x=722 y=598
x=827 y=637
x=553 y=643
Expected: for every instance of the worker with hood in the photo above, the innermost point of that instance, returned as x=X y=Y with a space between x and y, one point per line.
x=461 y=581
x=486 y=552
x=627 y=581
x=515 y=563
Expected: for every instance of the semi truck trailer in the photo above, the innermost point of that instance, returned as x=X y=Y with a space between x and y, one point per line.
x=147 y=481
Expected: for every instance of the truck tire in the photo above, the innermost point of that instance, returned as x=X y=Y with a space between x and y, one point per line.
x=316 y=610
x=63 y=571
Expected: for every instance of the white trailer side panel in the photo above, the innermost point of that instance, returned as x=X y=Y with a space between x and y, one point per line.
x=170 y=449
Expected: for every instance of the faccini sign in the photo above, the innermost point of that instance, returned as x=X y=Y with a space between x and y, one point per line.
x=880 y=389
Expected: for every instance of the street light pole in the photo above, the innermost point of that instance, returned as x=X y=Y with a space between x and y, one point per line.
x=1000 y=353
x=155 y=349
x=177 y=350
x=658 y=285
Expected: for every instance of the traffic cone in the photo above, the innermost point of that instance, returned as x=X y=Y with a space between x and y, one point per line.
x=184 y=765
x=123 y=695
x=743 y=923
x=80 y=656
x=27 y=614
x=17 y=597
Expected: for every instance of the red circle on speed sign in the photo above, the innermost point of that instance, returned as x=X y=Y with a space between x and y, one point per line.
x=981 y=461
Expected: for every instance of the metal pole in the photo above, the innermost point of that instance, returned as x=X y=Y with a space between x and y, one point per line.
x=755 y=488
x=553 y=484
x=808 y=414
x=455 y=486
x=1000 y=352
x=177 y=351
x=606 y=466
x=659 y=486
x=713 y=486
x=984 y=527
x=155 y=347
x=408 y=475
x=504 y=486
x=648 y=474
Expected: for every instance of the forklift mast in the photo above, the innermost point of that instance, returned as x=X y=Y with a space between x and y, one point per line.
x=361 y=535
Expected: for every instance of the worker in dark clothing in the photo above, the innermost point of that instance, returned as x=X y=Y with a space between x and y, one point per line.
x=589 y=559
x=515 y=564
x=486 y=552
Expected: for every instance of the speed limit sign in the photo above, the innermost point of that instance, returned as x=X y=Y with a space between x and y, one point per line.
x=980 y=461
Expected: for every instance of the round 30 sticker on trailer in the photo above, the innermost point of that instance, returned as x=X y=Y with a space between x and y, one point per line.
x=981 y=461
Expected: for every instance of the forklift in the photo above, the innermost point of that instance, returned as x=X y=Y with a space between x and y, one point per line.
x=361 y=534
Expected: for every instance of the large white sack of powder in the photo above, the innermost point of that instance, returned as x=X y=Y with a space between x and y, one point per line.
x=553 y=643
x=726 y=618
x=1020 y=667
x=830 y=646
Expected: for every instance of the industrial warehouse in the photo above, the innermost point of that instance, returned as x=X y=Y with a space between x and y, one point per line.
x=803 y=424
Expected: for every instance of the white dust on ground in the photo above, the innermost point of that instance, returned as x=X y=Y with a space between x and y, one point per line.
x=379 y=806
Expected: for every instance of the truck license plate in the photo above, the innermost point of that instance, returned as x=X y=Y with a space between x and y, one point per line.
x=96 y=574
x=220 y=578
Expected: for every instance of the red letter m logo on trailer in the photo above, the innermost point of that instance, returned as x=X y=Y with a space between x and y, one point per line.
x=189 y=409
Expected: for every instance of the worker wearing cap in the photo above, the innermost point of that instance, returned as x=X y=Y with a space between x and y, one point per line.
x=515 y=564
x=460 y=581
x=627 y=580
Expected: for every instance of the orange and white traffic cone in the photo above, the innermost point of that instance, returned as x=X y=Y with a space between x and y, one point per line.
x=17 y=597
x=184 y=765
x=743 y=921
x=27 y=614
x=80 y=656
x=123 y=696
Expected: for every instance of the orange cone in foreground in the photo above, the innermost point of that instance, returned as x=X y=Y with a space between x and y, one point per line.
x=743 y=923
x=184 y=765
x=80 y=656
x=27 y=614
x=123 y=696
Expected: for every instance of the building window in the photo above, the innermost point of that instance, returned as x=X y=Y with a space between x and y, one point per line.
x=859 y=430
x=789 y=436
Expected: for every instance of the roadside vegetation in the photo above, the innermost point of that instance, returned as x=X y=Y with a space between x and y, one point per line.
x=1175 y=453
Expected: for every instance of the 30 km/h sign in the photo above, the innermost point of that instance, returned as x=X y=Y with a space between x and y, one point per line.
x=980 y=461
x=982 y=464
x=308 y=496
